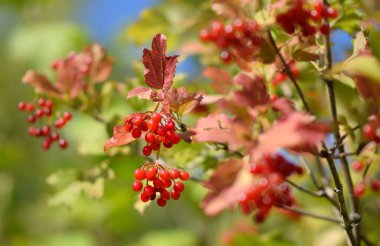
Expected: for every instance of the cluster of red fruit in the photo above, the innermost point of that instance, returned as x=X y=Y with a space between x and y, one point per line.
x=158 y=129
x=371 y=130
x=282 y=76
x=44 y=109
x=158 y=181
x=360 y=187
x=270 y=190
x=237 y=39
x=299 y=17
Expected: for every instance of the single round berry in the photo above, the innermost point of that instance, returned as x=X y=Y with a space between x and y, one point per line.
x=137 y=185
x=59 y=123
x=21 y=106
x=136 y=132
x=205 y=35
x=148 y=190
x=164 y=174
x=45 y=130
x=369 y=131
x=39 y=113
x=49 y=104
x=183 y=175
x=144 y=197
x=48 y=111
x=147 y=150
x=357 y=166
x=161 y=202
x=166 y=183
x=152 y=125
x=144 y=126
x=67 y=116
x=150 y=137
x=155 y=146
x=325 y=29
x=178 y=186
x=170 y=125
x=137 y=120
x=151 y=173
x=54 y=136
x=375 y=185
x=29 y=107
x=31 y=119
x=63 y=143
x=46 y=144
x=41 y=102
x=128 y=126
x=359 y=189
x=331 y=13
x=164 y=194
x=175 y=195
x=225 y=56
x=168 y=145
x=157 y=183
x=217 y=28
x=139 y=174
x=239 y=25
x=156 y=117
x=174 y=173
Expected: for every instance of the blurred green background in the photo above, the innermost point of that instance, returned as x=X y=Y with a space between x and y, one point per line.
x=33 y=33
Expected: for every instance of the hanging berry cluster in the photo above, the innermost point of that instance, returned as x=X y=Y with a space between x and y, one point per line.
x=297 y=16
x=270 y=190
x=161 y=128
x=240 y=38
x=158 y=180
x=41 y=114
x=371 y=130
x=157 y=128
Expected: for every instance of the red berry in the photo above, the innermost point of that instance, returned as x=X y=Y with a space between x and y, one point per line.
x=369 y=131
x=157 y=183
x=47 y=111
x=166 y=183
x=168 y=145
x=175 y=195
x=137 y=120
x=54 y=136
x=144 y=126
x=161 y=202
x=225 y=56
x=41 y=102
x=149 y=190
x=164 y=174
x=137 y=185
x=21 y=106
x=151 y=173
x=39 y=113
x=169 y=125
x=29 y=107
x=63 y=143
x=67 y=116
x=45 y=130
x=152 y=125
x=205 y=36
x=139 y=174
x=46 y=144
x=144 y=197
x=217 y=28
x=315 y=15
x=147 y=150
x=59 y=123
x=49 y=104
x=156 y=117
x=375 y=185
x=184 y=175
x=239 y=25
x=359 y=189
x=357 y=166
x=31 y=119
x=325 y=29
x=128 y=126
x=178 y=186
x=174 y=173
x=331 y=13
x=155 y=146
x=150 y=137
x=136 y=132
x=164 y=194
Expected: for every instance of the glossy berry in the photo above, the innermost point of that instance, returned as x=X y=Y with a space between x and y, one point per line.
x=161 y=202
x=148 y=190
x=175 y=195
x=178 y=186
x=325 y=29
x=147 y=150
x=29 y=107
x=359 y=189
x=151 y=173
x=67 y=116
x=357 y=166
x=136 y=132
x=174 y=173
x=31 y=119
x=21 y=106
x=144 y=197
x=156 y=117
x=164 y=174
x=369 y=131
x=184 y=175
x=137 y=185
x=150 y=137
x=139 y=174
x=225 y=56
x=331 y=13
x=63 y=144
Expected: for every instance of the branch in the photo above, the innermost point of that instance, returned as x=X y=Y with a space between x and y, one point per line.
x=303 y=189
x=289 y=72
x=310 y=214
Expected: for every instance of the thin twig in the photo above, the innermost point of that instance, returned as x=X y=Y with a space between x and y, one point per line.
x=288 y=71
x=303 y=189
x=310 y=214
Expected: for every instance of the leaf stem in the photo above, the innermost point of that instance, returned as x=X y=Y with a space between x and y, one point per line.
x=289 y=72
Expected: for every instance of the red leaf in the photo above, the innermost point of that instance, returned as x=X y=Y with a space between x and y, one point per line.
x=221 y=80
x=297 y=131
x=230 y=181
x=180 y=100
x=159 y=68
x=40 y=83
x=101 y=64
x=141 y=92
x=253 y=93
x=218 y=128
x=120 y=137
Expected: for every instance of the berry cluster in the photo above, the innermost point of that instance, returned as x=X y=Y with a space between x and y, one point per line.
x=282 y=76
x=371 y=130
x=158 y=181
x=158 y=128
x=240 y=38
x=297 y=16
x=42 y=114
x=270 y=189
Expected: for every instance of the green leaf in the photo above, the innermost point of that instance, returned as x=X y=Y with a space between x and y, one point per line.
x=374 y=41
x=365 y=65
